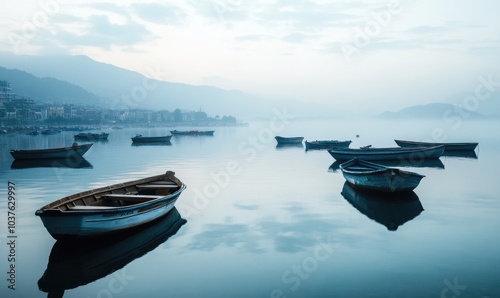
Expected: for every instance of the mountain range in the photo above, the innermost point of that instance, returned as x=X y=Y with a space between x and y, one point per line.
x=80 y=79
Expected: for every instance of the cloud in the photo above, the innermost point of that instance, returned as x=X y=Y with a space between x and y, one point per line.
x=98 y=30
x=428 y=29
x=159 y=13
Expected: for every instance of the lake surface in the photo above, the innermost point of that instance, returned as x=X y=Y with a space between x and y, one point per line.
x=262 y=221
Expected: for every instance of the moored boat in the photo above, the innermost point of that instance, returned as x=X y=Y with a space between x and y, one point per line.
x=327 y=144
x=468 y=146
x=157 y=139
x=371 y=176
x=288 y=140
x=111 y=209
x=192 y=132
x=390 y=153
x=89 y=136
x=51 y=153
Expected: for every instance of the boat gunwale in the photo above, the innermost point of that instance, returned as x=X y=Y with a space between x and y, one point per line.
x=53 y=207
x=376 y=168
x=447 y=145
x=53 y=150
x=385 y=150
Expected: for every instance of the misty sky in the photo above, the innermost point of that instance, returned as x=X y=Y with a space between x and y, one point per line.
x=363 y=54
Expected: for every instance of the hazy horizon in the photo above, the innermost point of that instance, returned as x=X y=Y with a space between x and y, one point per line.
x=367 y=56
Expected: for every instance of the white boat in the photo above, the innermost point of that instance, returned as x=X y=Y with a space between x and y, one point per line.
x=111 y=209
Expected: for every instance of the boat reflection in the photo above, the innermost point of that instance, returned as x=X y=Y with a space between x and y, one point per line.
x=461 y=154
x=289 y=146
x=79 y=262
x=73 y=162
x=423 y=163
x=390 y=210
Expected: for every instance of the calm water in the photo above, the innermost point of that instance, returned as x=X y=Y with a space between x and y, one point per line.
x=263 y=221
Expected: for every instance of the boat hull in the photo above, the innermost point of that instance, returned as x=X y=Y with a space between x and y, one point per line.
x=290 y=140
x=82 y=224
x=327 y=144
x=192 y=132
x=54 y=153
x=92 y=136
x=396 y=153
x=447 y=146
x=374 y=177
x=160 y=139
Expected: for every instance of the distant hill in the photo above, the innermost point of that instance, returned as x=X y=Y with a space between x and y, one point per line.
x=121 y=88
x=46 y=89
x=431 y=111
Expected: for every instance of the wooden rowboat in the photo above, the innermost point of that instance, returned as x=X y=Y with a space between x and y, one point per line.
x=447 y=146
x=111 y=209
x=89 y=136
x=327 y=144
x=371 y=176
x=392 y=153
x=289 y=140
x=158 y=139
x=52 y=153
x=192 y=132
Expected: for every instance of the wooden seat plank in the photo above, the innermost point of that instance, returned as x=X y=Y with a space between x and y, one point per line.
x=126 y=197
x=91 y=207
x=157 y=186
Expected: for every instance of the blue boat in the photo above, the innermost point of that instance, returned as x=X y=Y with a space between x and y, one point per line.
x=447 y=146
x=289 y=140
x=371 y=176
x=158 y=139
x=391 y=153
x=52 y=153
x=327 y=144
x=111 y=209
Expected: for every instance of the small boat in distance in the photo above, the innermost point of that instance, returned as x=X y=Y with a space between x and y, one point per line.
x=447 y=146
x=111 y=209
x=52 y=153
x=391 y=153
x=50 y=131
x=371 y=176
x=159 y=139
x=327 y=144
x=288 y=140
x=192 y=132
x=89 y=136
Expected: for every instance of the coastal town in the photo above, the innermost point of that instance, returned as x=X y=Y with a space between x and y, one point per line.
x=23 y=113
